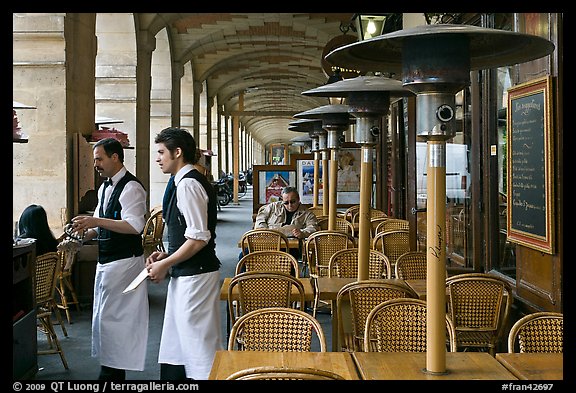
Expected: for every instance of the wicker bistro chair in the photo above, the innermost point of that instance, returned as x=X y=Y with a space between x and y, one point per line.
x=64 y=285
x=479 y=305
x=275 y=261
x=47 y=269
x=318 y=210
x=541 y=332
x=399 y=325
x=363 y=296
x=373 y=213
x=283 y=373
x=391 y=224
x=263 y=289
x=411 y=266
x=374 y=222
x=349 y=213
x=263 y=239
x=344 y=263
x=276 y=329
x=392 y=244
x=68 y=246
x=153 y=232
x=342 y=225
x=319 y=248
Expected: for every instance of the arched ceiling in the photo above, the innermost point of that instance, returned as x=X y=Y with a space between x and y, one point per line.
x=270 y=58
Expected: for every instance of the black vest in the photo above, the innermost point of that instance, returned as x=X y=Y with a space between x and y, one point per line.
x=113 y=245
x=205 y=260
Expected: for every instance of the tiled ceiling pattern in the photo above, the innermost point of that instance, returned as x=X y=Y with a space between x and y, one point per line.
x=269 y=58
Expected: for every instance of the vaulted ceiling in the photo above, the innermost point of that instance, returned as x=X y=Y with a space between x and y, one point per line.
x=269 y=58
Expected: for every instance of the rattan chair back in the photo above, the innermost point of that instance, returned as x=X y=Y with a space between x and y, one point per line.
x=372 y=213
x=321 y=245
x=391 y=224
x=284 y=373
x=479 y=305
x=319 y=248
x=258 y=290
x=341 y=225
x=47 y=270
x=274 y=261
x=276 y=329
x=322 y=222
x=541 y=332
x=350 y=212
x=399 y=325
x=374 y=222
x=318 y=210
x=392 y=243
x=411 y=266
x=64 y=287
x=363 y=296
x=344 y=263
x=263 y=239
x=153 y=232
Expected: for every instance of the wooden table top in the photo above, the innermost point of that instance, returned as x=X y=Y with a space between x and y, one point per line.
x=329 y=287
x=543 y=366
x=228 y=362
x=308 y=290
x=409 y=366
x=419 y=286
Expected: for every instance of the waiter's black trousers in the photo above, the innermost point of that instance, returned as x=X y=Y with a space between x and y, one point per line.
x=171 y=372
x=111 y=374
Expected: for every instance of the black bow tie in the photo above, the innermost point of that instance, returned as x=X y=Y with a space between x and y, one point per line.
x=108 y=183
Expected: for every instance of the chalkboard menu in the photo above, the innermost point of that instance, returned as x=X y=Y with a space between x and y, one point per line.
x=530 y=165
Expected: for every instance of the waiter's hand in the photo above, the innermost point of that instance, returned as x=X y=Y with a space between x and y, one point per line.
x=83 y=223
x=155 y=256
x=157 y=271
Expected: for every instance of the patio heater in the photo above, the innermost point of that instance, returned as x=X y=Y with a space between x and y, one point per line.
x=335 y=120
x=368 y=99
x=435 y=63
x=314 y=129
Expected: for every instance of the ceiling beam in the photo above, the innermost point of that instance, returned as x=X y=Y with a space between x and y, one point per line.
x=259 y=113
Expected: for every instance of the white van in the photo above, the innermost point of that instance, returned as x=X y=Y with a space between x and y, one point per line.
x=457 y=173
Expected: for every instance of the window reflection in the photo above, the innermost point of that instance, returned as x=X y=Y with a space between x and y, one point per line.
x=507 y=250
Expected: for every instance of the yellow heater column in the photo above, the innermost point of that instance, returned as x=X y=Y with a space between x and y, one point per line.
x=436 y=257
x=364 y=212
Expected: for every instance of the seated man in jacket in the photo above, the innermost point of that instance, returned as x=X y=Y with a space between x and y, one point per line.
x=287 y=216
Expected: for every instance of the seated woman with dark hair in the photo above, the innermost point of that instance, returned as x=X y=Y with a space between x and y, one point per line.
x=33 y=223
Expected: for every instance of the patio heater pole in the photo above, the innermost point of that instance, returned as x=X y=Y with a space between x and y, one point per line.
x=335 y=120
x=368 y=99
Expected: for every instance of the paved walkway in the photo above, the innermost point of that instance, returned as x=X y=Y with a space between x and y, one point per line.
x=233 y=221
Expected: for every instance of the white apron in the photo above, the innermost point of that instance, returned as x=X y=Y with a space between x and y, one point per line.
x=191 y=334
x=120 y=321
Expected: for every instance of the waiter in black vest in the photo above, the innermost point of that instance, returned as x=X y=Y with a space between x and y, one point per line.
x=191 y=333
x=119 y=321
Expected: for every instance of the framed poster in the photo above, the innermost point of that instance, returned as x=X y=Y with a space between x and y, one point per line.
x=349 y=163
x=305 y=177
x=529 y=164
x=269 y=180
x=278 y=154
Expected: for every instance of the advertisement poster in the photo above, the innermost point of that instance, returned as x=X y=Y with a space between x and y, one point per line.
x=306 y=182
x=271 y=184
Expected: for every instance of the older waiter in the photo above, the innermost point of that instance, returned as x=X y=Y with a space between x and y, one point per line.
x=119 y=321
